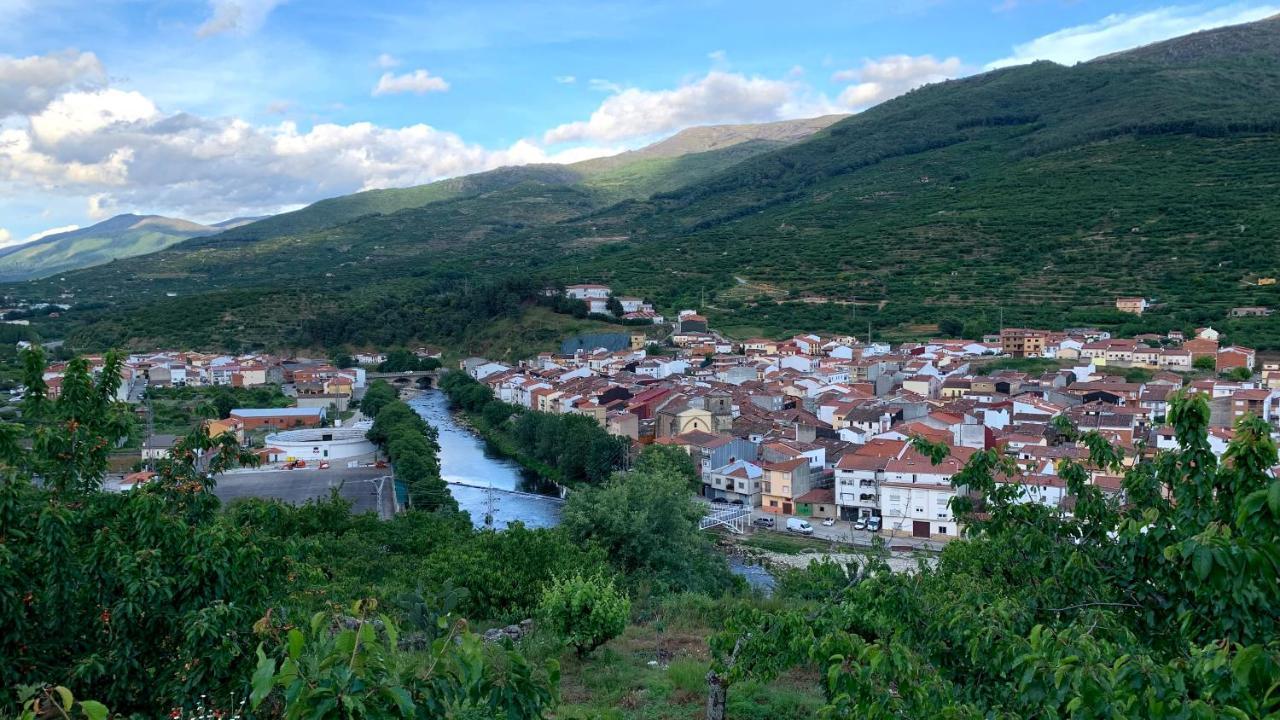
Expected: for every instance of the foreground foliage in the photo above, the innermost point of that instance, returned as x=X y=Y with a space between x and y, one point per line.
x=1164 y=606
x=584 y=611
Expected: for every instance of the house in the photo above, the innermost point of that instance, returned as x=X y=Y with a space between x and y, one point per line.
x=277 y=418
x=1022 y=342
x=1134 y=305
x=916 y=495
x=230 y=425
x=1201 y=347
x=158 y=447
x=1251 y=311
x=857 y=484
x=783 y=483
x=738 y=482
x=1259 y=403
x=818 y=503
x=710 y=451
x=587 y=292
x=692 y=323
x=1235 y=357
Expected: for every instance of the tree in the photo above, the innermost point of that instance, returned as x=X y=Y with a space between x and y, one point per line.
x=1239 y=374
x=585 y=612
x=1165 y=602
x=614 y=306
x=377 y=396
x=669 y=460
x=74 y=433
x=647 y=523
x=353 y=667
x=951 y=327
x=1204 y=362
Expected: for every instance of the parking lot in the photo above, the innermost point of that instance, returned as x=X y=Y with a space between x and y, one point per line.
x=842 y=532
x=356 y=485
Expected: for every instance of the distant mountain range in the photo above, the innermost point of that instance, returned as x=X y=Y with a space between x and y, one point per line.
x=1030 y=195
x=122 y=236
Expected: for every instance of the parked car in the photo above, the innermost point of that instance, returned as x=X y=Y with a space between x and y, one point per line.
x=798 y=526
x=324 y=464
x=860 y=524
x=763 y=522
x=873 y=524
x=828 y=522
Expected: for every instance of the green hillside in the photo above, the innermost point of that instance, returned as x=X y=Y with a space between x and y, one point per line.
x=119 y=237
x=1038 y=191
x=687 y=156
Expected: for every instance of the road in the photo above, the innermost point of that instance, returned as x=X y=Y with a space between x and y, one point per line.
x=298 y=486
x=843 y=532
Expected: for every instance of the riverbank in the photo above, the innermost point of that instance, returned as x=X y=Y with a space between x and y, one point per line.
x=506 y=447
x=783 y=552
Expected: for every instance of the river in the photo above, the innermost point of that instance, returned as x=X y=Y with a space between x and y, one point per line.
x=471 y=466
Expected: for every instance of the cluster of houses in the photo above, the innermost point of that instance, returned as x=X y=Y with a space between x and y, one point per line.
x=317 y=388
x=597 y=299
x=823 y=426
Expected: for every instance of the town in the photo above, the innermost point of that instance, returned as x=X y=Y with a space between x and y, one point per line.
x=810 y=428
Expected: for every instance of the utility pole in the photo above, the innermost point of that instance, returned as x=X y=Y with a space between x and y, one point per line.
x=490 y=506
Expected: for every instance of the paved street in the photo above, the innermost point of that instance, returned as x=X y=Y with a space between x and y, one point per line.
x=843 y=532
x=299 y=486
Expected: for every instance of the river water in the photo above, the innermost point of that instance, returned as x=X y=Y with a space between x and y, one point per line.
x=471 y=467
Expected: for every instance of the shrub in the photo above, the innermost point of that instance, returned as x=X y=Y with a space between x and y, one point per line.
x=585 y=612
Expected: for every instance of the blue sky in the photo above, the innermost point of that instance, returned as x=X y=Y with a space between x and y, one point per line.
x=212 y=108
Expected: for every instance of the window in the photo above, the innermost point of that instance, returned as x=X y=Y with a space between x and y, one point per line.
x=942 y=529
x=773 y=503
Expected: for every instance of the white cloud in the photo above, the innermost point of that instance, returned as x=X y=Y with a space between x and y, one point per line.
x=1123 y=31
x=51 y=231
x=117 y=152
x=566 y=79
x=387 y=61
x=6 y=238
x=606 y=86
x=888 y=77
x=417 y=82
x=78 y=113
x=718 y=97
x=718 y=56
x=29 y=84
x=239 y=16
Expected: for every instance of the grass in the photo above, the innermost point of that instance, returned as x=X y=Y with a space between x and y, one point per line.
x=657 y=671
x=785 y=544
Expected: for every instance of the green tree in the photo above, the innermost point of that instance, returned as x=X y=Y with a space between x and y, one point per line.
x=352 y=667
x=951 y=327
x=1204 y=362
x=73 y=434
x=585 y=612
x=1239 y=374
x=1164 y=602
x=647 y=523
x=377 y=396
x=614 y=306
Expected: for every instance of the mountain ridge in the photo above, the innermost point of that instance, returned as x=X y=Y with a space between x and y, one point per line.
x=1038 y=191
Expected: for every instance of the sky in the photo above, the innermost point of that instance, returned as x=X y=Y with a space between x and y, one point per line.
x=212 y=109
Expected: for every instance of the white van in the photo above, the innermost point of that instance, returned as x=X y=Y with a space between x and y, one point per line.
x=796 y=525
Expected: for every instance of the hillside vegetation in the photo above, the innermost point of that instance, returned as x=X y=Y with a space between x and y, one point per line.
x=1038 y=191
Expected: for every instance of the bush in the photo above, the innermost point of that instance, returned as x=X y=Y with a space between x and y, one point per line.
x=585 y=612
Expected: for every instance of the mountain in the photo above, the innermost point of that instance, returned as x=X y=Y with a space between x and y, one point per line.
x=122 y=236
x=630 y=174
x=1033 y=194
